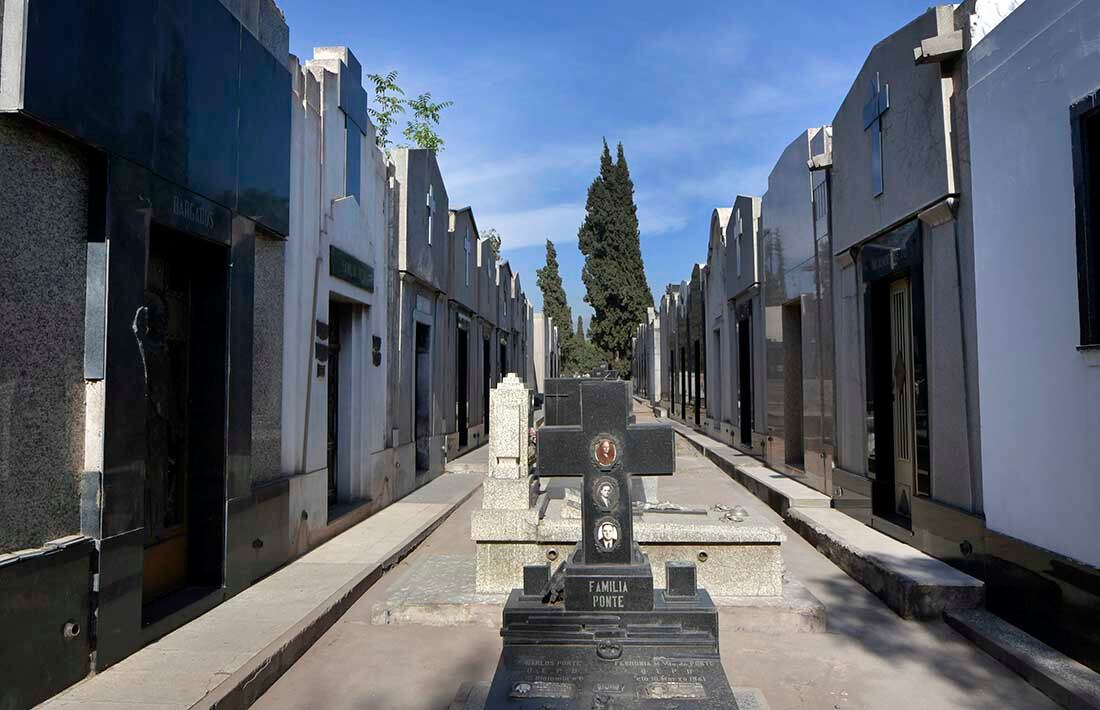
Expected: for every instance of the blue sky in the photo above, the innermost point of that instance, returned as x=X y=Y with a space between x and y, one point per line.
x=703 y=96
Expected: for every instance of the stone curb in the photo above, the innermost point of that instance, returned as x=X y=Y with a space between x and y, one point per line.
x=241 y=689
x=1062 y=679
x=908 y=597
x=773 y=494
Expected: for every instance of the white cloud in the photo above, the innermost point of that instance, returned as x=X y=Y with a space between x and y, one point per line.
x=470 y=176
x=525 y=228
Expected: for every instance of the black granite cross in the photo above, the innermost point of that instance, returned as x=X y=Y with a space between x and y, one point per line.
x=606 y=449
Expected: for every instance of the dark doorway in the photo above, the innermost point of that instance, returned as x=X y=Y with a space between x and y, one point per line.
x=744 y=378
x=337 y=317
x=717 y=410
x=422 y=398
x=893 y=458
x=683 y=384
x=794 y=451
x=181 y=333
x=486 y=383
x=503 y=361
x=698 y=382
x=462 y=385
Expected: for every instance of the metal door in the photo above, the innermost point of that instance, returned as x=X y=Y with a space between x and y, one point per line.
x=901 y=345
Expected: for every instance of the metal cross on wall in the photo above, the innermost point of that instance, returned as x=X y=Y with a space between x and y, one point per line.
x=602 y=444
x=431 y=211
x=872 y=119
x=466 y=248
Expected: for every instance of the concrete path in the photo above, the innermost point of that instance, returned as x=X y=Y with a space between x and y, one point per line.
x=476 y=461
x=232 y=653
x=869 y=658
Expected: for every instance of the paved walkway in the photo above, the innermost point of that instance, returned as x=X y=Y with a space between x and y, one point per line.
x=232 y=652
x=869 y=658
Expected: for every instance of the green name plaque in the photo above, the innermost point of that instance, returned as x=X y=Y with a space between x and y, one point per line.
x=346 y=267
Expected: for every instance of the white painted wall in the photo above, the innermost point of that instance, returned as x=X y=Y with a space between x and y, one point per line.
x=322 y=215
x=1040 y=397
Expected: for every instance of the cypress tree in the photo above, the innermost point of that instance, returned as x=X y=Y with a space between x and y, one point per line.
x=614 y=275
x=580 y=330
x=555 y=305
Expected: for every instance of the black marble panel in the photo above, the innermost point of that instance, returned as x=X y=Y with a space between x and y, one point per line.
x=124 y=419
x=188 y=212
x=652 y=449
x=176 y=86
x=562 y=401
x=258 y=530
x=536 y=579
x=118 y=627
x=264 y=133
x=198 y=44
x=608 y=588
x=91 y=71
x=44 y=596
x=664 y=656
x=680 y=580
x=353 y=160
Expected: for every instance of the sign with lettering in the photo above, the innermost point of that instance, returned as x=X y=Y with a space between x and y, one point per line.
x=346 y=267
x=177 y=208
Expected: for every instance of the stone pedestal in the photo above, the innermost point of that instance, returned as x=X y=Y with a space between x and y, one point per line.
x=734 y=559
x=510 y=492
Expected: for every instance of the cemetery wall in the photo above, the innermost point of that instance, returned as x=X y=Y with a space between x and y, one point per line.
x=977 y=158
x=313 y=232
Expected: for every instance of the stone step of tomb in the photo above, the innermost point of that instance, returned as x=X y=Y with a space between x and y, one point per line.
x=440 y=591
x=913 y=584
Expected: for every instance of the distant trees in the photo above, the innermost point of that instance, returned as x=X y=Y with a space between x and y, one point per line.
x=577 y=356
x=613 y=275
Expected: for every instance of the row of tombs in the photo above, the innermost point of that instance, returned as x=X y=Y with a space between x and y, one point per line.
x=908 y=319
x=234 y=323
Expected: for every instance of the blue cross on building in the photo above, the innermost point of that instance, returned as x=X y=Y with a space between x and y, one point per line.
x=872 y=120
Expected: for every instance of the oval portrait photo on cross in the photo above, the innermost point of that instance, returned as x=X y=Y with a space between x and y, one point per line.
x=605 y=452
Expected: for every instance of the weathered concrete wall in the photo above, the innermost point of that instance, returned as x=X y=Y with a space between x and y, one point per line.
x=915 y=147
x=426 y=256
x=44 y=184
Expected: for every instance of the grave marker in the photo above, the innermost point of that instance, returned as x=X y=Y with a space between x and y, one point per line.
x=613 y=641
